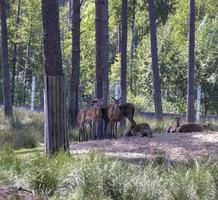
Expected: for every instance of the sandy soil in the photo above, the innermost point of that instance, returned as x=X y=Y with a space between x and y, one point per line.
x=172 y=146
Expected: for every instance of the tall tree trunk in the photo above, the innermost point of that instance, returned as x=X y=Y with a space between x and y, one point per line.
x=123 y=51
x=154 y=57
x=27 y=62
x=133 y=45
x=15 y=50
x=101 y=35
x=8 y=111
x=70 y=12
x=191 y=63
x=55 y=105
x=75 y=71
x=105 y=47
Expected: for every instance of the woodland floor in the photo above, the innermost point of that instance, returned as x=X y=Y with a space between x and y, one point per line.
x=172 y=146
x=10 y=193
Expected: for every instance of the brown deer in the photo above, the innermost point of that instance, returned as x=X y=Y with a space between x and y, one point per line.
x=143 y=129
x=191 y=127
x=117 y=113
x=172 y=129
x=89 y=115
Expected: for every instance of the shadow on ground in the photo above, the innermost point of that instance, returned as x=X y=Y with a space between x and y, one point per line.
x=172 y=147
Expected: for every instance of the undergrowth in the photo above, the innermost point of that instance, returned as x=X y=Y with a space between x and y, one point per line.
x=95 y=176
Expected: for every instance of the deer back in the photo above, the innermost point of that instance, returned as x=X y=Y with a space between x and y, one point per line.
x=144 y=129
x=93 y=113
x=89 y=114
x=114 y=112
x=185 y=128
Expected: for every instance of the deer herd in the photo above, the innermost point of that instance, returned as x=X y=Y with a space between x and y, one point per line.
x=115 y=113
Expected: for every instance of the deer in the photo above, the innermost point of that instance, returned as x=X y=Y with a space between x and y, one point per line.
x=191 y=127
x=172 y=129
x=117 y=113
x=89 y=115
x=144 y=129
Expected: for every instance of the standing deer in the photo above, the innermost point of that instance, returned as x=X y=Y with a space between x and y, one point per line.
x=89 y=115
x=117 y=113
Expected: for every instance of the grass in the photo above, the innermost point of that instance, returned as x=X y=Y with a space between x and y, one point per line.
x=94 y=176
x=25 y=130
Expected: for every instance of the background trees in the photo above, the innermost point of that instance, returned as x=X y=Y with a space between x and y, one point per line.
x=75 y=63
x=191 y=64
x=154 y=61
x=5 y=66
x=124 y=51
x=172 y=31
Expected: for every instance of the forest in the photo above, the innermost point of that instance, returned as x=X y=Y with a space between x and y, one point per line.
x=25 y=51
x=109 y=99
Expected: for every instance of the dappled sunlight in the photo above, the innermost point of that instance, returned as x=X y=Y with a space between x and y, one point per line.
x=175 y=147
x=204 y=137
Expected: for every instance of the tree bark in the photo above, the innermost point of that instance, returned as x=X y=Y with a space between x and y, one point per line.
x=27 y=62
x=15 y=50
x=75 y=71
x=55 y=106
x=133 y=46
x=155 y=67
x=123 y=51
x=8 y=111
x=191 y=63
x=105 y=47
x=101 y=60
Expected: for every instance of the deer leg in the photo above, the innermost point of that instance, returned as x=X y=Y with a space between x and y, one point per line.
x=116 y=130
x=88 y=132
x=92 y=130
x=112 y=129
x=105 y=129
x=79 y=134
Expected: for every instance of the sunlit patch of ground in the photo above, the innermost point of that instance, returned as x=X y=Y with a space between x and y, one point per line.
x=173 y=147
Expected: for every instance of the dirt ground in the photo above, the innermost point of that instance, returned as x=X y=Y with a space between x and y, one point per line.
x=9 y=193
x=172 y=146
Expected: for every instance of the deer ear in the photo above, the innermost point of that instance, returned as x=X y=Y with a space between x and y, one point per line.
x=113 y=98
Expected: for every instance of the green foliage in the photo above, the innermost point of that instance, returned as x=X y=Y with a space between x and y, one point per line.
x=8 y=160
x=172 y=28
x=95 y=176
x=25 y=130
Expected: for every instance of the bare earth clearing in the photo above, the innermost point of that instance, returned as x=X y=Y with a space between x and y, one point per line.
x=173 y=146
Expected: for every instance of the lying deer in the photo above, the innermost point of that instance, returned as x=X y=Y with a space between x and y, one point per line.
x=185 y=128
x=172 y=129
x=117 y=113
x=189 y=127
x=89 y=115
x=143 y=129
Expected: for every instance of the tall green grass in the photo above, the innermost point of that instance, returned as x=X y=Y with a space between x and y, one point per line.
x=95 y=176
x=25 y=130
